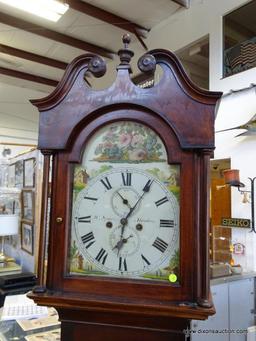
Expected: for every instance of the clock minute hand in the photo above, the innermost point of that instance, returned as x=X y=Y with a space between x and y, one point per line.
x=124 y=220
x=145 y=189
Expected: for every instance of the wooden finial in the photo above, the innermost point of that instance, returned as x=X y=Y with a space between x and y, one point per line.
x=125 y=54
x=126 y=40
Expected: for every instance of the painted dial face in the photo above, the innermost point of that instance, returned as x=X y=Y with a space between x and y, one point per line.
x=126 y=222
x=125 y=207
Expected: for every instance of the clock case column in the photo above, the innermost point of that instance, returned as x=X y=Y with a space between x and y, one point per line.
x=183 y=116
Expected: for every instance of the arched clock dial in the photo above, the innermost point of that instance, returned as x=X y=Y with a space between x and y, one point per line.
x=125 y=213
x=126 y=223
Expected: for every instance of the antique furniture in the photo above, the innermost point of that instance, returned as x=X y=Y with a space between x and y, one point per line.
x=16 y=283
x=128 y=236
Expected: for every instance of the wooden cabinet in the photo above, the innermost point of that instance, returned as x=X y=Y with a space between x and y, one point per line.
x=234 y=303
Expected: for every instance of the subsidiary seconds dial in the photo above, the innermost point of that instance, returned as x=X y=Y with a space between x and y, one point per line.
x=126 y=223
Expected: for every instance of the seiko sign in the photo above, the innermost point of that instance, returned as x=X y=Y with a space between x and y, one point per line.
x=236 y=222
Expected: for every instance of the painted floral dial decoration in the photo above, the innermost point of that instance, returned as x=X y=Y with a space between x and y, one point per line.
x=125 y=209
x=129 y=142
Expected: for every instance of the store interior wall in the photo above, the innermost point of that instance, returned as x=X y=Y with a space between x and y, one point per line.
x=235 y=110
x=13 y=245
x=203 y=18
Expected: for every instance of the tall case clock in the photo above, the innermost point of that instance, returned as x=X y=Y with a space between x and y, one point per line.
x=127 y=253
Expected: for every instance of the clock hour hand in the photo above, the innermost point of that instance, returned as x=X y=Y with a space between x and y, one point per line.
x=124 y=220
x=120 y=243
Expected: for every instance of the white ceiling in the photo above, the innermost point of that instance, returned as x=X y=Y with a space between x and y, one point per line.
x=18 y=118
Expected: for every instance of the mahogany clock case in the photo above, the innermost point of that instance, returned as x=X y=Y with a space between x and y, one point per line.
x=133 y=288
x=182 y=115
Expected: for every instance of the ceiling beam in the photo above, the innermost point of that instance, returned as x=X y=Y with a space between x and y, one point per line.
x=107 y=17
x=32 y=57
x=53 y=35
x=110 y=18
x=17 y=134
x=33 y=78
x=184 y=3
x=18 y=144
x=28 y=77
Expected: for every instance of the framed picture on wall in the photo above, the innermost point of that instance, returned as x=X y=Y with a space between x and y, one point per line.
x=27 y=205
x=29 y=172
x=27 y=237
x=19 y=174
x=11 y=175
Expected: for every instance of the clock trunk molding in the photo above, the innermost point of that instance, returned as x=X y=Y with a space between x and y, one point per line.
x=127 y=255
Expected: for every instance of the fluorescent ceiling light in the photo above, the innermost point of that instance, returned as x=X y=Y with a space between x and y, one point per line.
x=47 y=9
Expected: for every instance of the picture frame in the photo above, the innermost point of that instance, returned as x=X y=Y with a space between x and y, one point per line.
x=11 y=175
x=27 y=237
x=27 y=205
x=29 y=172
x=19 y=174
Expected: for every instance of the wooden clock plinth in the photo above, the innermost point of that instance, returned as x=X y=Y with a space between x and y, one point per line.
x=99 y=318
x=172 y=331
x=129 y=221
